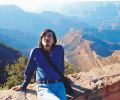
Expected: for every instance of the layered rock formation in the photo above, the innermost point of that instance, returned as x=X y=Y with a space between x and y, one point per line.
x=114 y=58
x=80 y=52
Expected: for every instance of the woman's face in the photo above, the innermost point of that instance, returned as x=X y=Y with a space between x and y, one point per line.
x=47 y=39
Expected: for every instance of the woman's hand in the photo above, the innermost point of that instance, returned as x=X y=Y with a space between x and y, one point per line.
x=17 y=88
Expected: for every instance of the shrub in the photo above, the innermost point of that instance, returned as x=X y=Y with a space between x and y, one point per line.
x=15 y=73
x=69 y=69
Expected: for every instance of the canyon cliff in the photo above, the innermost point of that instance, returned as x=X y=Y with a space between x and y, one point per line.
x=83 y=53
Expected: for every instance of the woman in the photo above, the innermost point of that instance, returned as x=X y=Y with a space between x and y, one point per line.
x=49 y=82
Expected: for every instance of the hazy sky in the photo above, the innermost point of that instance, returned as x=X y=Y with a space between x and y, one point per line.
x=43 y=5
x=38 y=5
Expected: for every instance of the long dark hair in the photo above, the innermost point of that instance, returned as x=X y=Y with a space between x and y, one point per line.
x=40 y=45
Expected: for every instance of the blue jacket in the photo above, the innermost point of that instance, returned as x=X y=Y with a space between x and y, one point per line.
x=38 y=63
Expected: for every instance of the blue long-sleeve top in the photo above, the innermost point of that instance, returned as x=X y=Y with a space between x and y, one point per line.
x=38 y=63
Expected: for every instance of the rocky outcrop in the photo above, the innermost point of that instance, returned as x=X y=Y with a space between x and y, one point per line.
x=29 y=94
x=97 y=84
x=114 y=58
x=107 y=92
